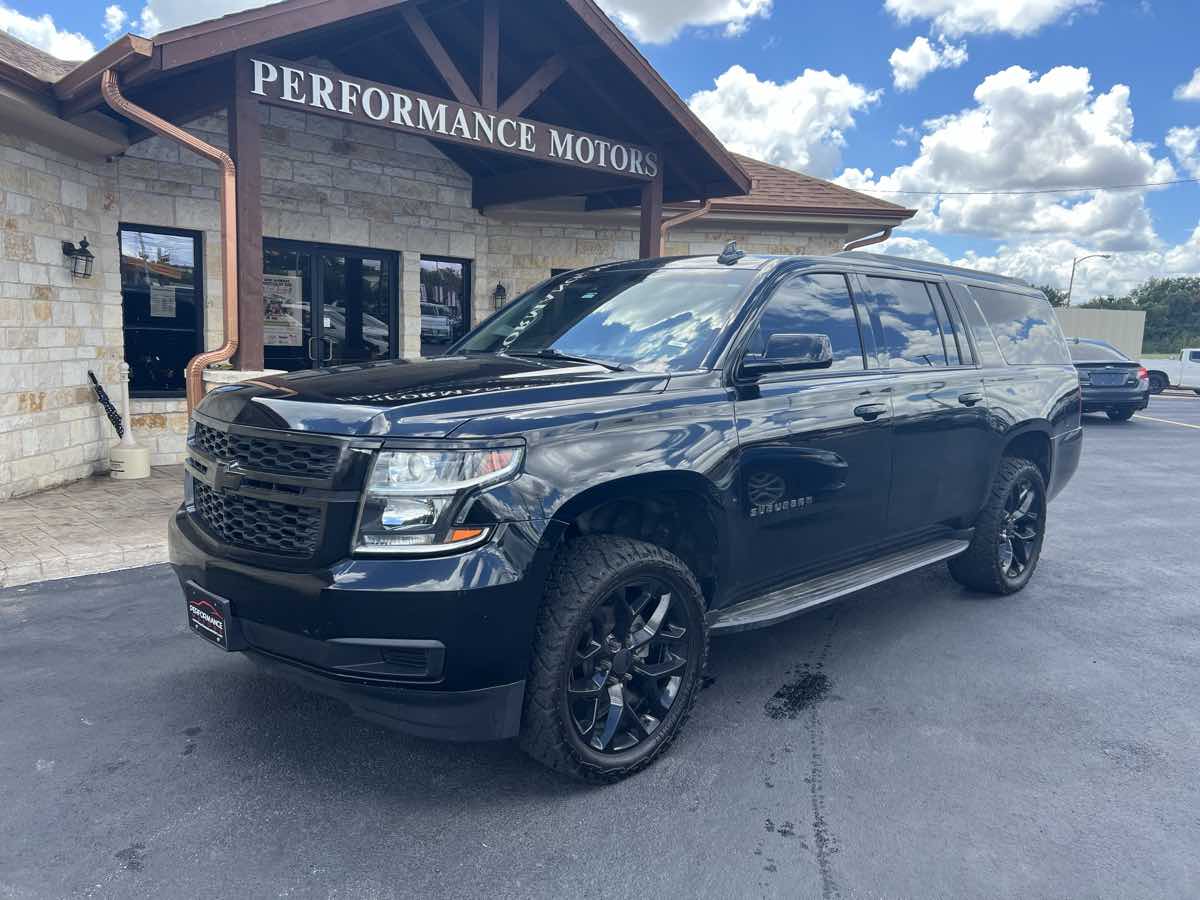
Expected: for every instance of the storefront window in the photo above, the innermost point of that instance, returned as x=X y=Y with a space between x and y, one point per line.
x=445 y=303
x=162 y=298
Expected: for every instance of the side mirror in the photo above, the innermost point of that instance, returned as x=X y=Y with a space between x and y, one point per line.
x=790 y=353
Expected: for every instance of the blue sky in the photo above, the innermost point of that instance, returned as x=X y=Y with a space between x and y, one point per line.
x=1029 y=94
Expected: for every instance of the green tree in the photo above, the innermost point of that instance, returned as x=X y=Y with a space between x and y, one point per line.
x=1172 y=308
x=1056 y=296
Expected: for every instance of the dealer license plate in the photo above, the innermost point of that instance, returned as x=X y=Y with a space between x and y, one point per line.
x=208 y=615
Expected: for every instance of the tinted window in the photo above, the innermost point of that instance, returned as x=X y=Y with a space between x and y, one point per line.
x=911 y=331
x=1195 y=356
x=162 y=302
x=1024 y=326
x=446 y=292
x=813 y=304
x=654 y=320
x=1086 y=351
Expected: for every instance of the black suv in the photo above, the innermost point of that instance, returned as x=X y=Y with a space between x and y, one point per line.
x=536 y=534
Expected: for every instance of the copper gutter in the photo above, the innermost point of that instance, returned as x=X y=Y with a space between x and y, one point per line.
x=228 y=198
x=670 y=223
x=877 y=238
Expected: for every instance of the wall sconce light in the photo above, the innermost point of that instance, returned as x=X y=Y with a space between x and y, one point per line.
x=81 y=258
x=499 y=295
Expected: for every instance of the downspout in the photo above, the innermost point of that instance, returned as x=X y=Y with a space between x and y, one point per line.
x=877 y=238
x=668 y=224
x=228 y=199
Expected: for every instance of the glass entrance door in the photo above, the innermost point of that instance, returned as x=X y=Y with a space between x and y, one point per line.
x=327 y=306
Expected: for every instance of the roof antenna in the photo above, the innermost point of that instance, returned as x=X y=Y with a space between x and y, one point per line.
x=731 y=254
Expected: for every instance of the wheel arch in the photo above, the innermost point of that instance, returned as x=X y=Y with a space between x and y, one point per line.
x=680 y=511
x=1032 y=441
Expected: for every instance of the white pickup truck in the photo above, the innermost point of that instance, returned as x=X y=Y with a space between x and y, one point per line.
x=1181 y=372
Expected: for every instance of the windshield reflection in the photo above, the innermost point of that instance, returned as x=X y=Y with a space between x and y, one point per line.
x=652 y=320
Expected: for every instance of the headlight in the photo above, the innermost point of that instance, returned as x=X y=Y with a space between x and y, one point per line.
x=411 y=495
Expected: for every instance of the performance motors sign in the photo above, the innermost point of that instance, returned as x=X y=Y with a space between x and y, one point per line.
x=287 y=84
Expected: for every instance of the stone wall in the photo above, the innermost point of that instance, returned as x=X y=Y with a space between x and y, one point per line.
x=53 y=328
x=324 y=180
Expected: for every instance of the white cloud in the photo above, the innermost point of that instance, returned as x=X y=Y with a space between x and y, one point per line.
x=1191 y=89
x=114 y=21
x=799 y=124
x=1049 y=262
x=957 y=17
x=660 y=21
x=1028 y=133
x=43 y=33
x=1184 y=143
x=911 y=65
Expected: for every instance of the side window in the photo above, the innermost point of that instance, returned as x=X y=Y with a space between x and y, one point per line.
x=814 y=304
x=943 y=317
x=966 y=355
x=1194 y=356
x=911 y=331
x=1025 y=327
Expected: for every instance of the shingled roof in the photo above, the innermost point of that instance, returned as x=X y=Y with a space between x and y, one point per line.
x=37 y=64
x=775 y=189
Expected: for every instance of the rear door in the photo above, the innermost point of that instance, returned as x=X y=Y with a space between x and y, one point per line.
x=815 y=446
x=1190 y=374
x=940 y=431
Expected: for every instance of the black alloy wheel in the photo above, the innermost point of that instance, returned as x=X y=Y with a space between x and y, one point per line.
x=1021 y=529
x=618 y=658
x=630 y=661
x=1008 y=534
x=1158 y=383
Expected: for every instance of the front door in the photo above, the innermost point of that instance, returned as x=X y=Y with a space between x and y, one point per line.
x=327 y=306
x=816 y=450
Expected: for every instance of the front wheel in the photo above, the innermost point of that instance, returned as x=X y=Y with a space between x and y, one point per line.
x=618 y=657
x=1008 y=533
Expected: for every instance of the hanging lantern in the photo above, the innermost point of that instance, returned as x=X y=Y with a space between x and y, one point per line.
x=81 y=258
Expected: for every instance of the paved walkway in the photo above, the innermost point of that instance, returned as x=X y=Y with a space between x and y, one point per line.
x=95 y=525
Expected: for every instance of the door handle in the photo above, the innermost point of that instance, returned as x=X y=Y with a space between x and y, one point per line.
x=970 y=398
x=870 y=411
x=311 y=355
x=329 y=344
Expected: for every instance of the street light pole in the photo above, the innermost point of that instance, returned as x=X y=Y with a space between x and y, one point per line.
x=1076 y=261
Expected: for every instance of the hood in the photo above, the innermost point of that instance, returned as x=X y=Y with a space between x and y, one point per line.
x=417 y=398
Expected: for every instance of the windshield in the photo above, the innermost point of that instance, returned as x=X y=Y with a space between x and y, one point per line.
x=652 y=320
x=1082 y=351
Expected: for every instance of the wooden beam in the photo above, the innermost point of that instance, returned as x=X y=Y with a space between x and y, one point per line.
x=650 y=243
x=489 y=69
x=535 y=85
x=245 y=144
x=536 y=183
x=438 y=56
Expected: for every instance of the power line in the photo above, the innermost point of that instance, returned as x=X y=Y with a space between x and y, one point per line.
x=1065 y=190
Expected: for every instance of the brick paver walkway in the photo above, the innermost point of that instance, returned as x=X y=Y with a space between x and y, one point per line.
x=95 y=525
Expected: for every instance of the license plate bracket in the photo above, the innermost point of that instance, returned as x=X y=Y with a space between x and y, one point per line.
x=211 y=617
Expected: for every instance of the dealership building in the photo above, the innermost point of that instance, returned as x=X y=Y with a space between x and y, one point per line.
x=369 y=178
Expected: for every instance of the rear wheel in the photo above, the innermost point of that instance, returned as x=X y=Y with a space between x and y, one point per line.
x=1121 y=415
x=1158 y=382
x=618 y=657
x=1007 y=544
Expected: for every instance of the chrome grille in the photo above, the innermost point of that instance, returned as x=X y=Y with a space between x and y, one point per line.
x=282 y=457
x=262 y=525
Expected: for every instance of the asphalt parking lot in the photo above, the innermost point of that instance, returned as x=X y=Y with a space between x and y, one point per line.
x=913 y=741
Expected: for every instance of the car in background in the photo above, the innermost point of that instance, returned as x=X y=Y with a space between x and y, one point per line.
x=436 y=323
x=1181 y=372
x=1112 y=382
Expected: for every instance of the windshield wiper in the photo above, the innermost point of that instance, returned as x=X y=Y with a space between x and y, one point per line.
x=551 y=353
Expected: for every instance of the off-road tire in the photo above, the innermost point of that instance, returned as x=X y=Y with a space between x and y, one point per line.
x=580 y=577
x=979 y=568
x=1121 y=415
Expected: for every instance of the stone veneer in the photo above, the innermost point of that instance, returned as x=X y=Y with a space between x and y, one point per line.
x=324 y=180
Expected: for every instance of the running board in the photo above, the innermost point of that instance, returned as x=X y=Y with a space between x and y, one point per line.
x=791 y=601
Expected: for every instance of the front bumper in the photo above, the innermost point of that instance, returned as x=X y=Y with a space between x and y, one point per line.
x=438 y=647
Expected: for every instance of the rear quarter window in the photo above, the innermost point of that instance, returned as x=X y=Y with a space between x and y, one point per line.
x=1024 y=326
